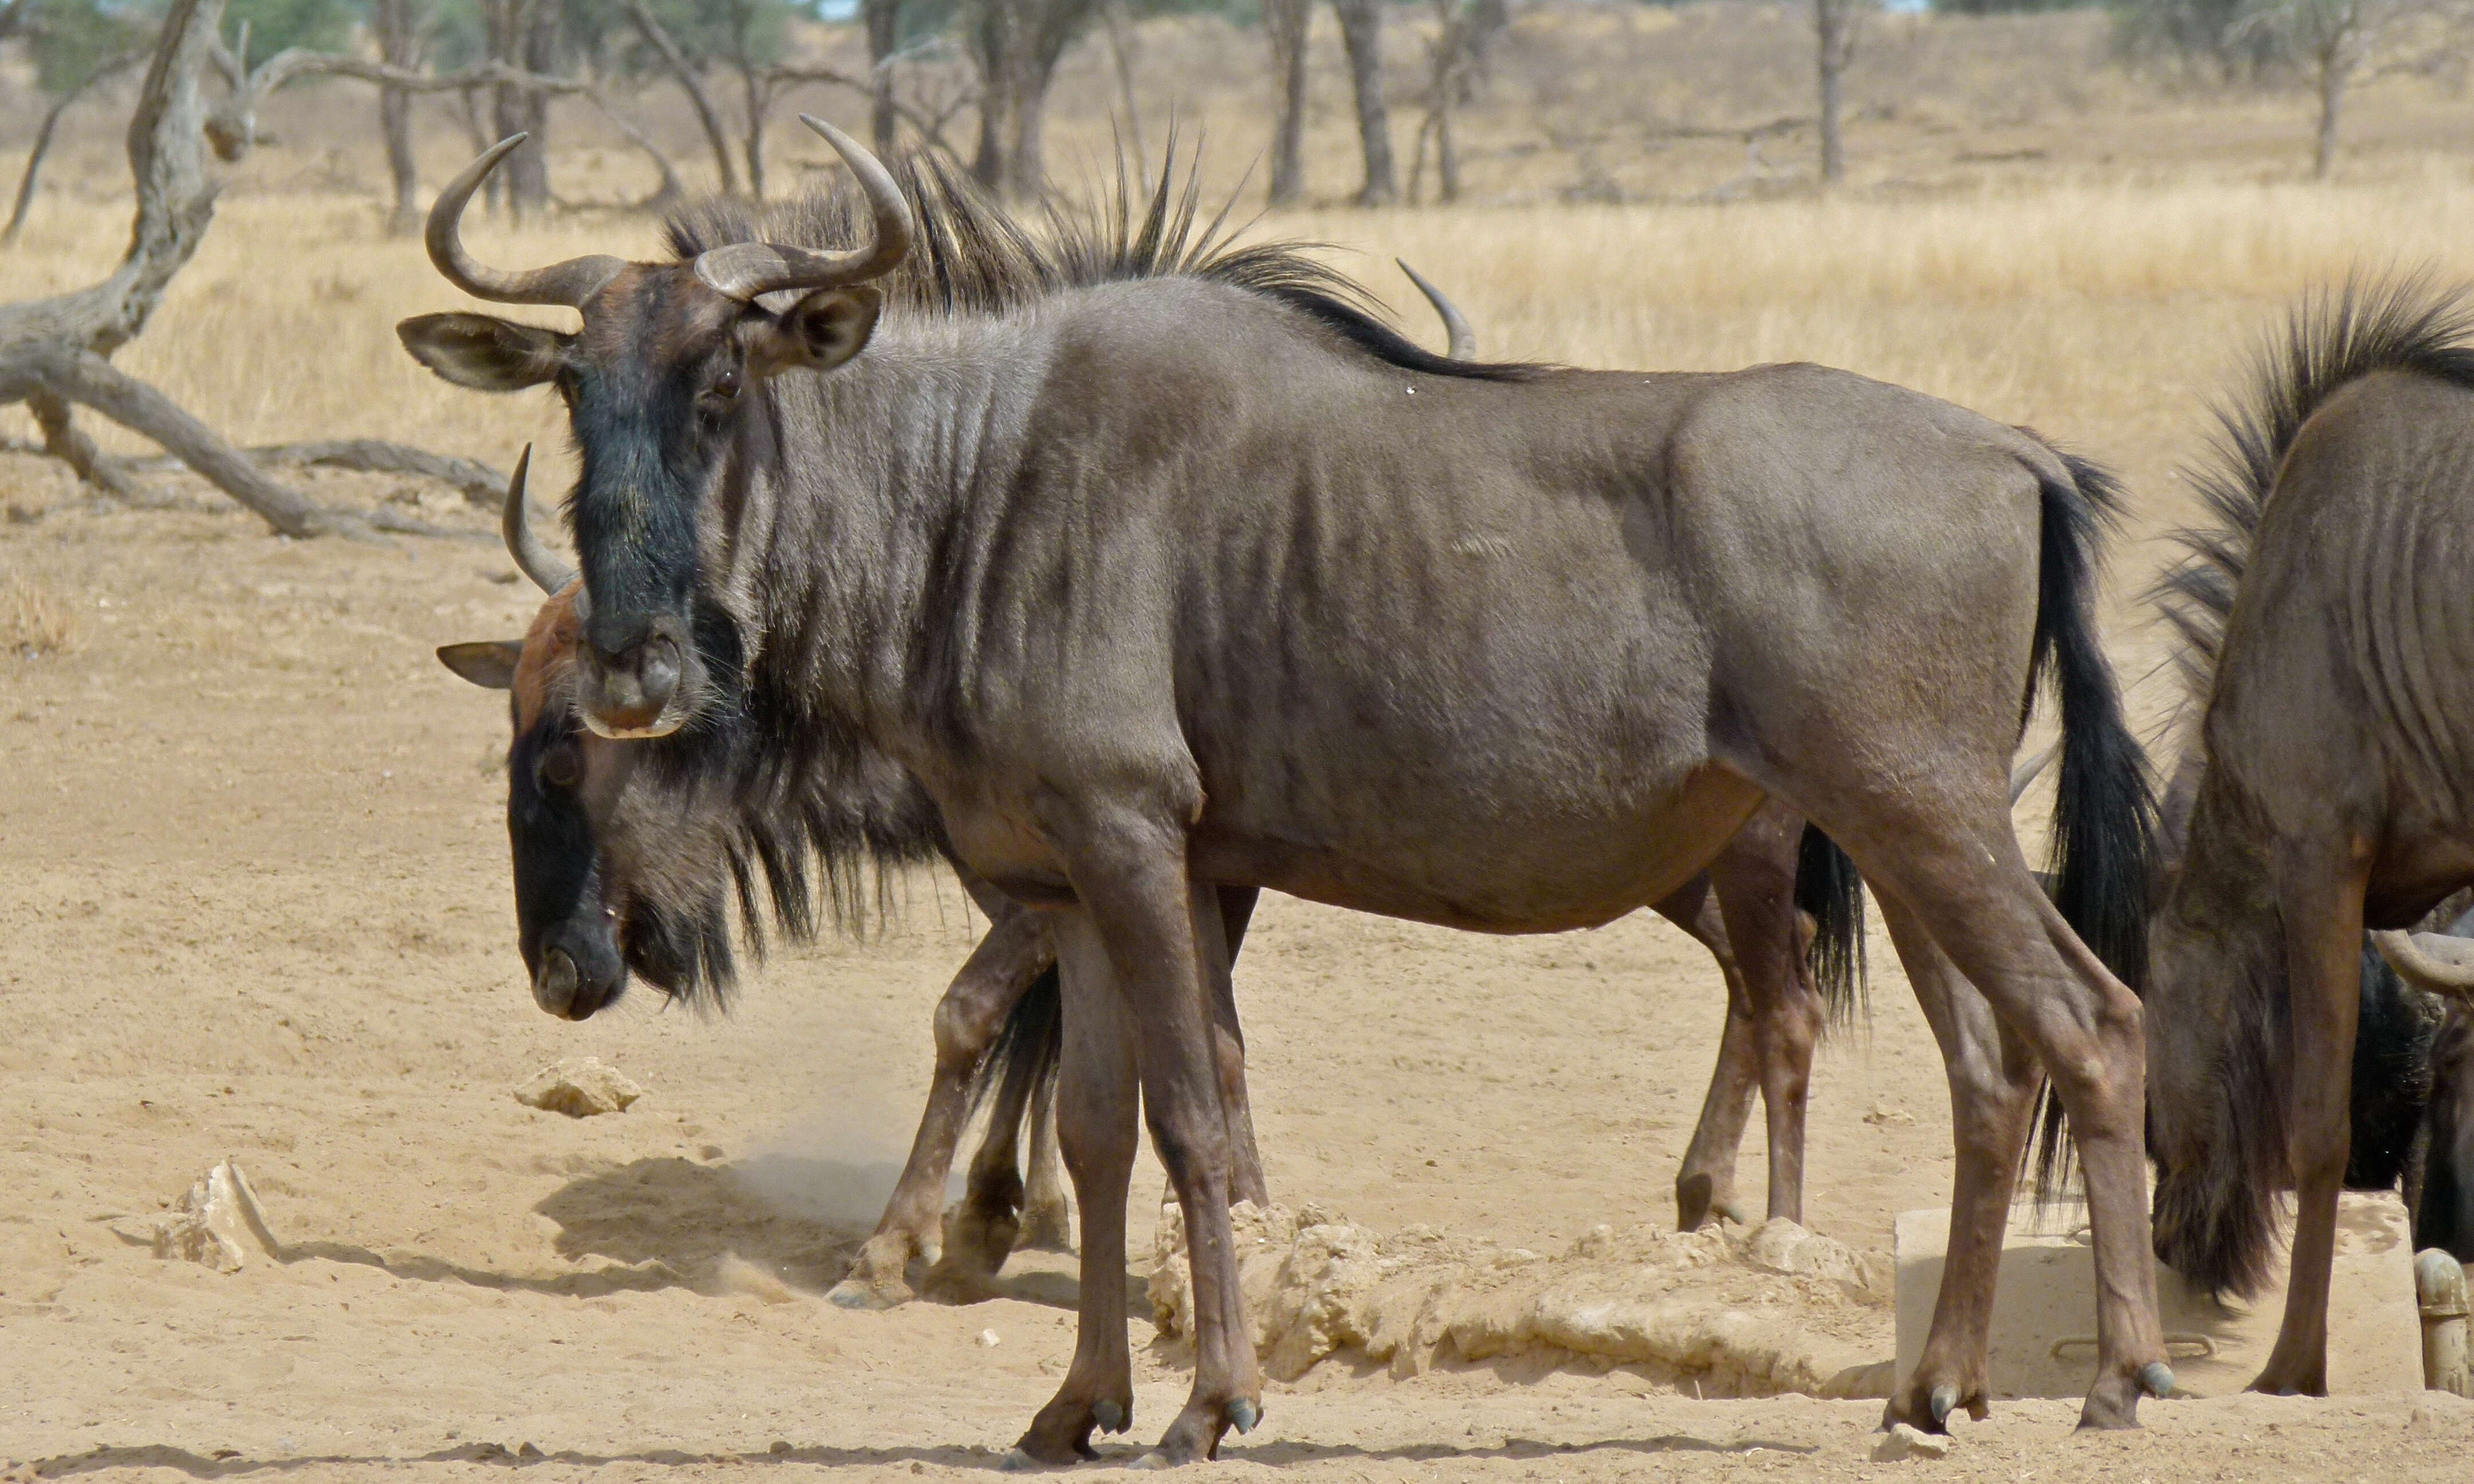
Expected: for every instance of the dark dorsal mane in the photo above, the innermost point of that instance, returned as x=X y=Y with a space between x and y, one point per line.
x=971 y=255
x=2407 y=323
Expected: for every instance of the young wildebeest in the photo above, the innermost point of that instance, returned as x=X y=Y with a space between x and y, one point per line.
x=1210 y=579
x=2329 y=621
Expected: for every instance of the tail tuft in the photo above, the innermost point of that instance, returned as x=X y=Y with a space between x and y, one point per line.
x=1828 y=890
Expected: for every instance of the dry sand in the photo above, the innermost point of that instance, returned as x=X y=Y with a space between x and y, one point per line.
x=253 y=903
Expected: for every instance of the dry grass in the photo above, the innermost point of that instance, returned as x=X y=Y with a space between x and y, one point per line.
x=34 y=619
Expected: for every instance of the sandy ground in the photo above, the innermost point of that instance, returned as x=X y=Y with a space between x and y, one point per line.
x=253 y=903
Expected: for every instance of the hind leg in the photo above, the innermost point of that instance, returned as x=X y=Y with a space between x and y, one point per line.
x=1047 y=1217
x=1992 y=1101
x=1755 y=877
x=1705 y=1184
x=1014 y=953
x=982 y=1230
x=1228 y=1042
x=2321 y=901
x=1945 y=851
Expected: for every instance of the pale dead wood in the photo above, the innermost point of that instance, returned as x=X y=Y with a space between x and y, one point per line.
x=58 y=348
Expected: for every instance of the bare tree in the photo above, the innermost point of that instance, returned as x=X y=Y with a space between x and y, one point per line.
x=684 y=72
x=1285 y=23
x=55 y=353
x=1361 y=32
x=109 y=67
x=1016 y=45
x=398 y=24
x=884 y=19
x=1456 y=57
x=2333 y=40
x=1835 y=25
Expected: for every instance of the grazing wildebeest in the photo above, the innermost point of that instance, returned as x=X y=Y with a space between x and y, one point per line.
x=572 y=906
x=1206 y=576
x=2328 y=619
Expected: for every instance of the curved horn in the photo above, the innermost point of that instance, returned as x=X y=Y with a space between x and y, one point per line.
x=533 y=559
x=2434 y=962
x=2024 y=775
x=1463 y=340
x=743 y=270
x=570 y=283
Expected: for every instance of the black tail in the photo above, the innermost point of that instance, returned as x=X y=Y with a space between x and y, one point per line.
x=2104 y=811
x=1828 y=891
x=1027 y=1050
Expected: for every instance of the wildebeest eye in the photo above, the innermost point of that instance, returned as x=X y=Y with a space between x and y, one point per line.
x=557 y=766
x=726 y=385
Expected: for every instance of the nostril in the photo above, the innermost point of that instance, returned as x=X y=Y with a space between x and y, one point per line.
x=658 y=670
x=555 y=990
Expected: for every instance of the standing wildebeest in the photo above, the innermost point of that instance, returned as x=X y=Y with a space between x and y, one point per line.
x=2329 y=627
x=582 y=922
x=1210 y=578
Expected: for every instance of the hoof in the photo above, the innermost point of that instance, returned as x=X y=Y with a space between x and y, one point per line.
x=1943 y=1401
x=1244 y=1416
x=1111 y=1417
x=851 y=1293
x=2157 y=1377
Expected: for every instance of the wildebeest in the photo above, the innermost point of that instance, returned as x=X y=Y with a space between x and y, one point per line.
x=575 y=908
x=1208 y=577
x=2328 y=626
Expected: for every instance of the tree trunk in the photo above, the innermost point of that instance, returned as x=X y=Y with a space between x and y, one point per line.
x=399 y=37
x=684 y=72
x=1361 y=28
x=1834 y=25
x=759 y=100
x=884 y=19
x=1027 y=167
x=1286 y=22
x=2333 y=76
x=992 y=50
x=528 y=171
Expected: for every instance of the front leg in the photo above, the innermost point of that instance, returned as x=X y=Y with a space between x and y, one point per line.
x=1159 y=932
x=1014 y=953
x=2322 y=903
x=1098 y=1101
x=1755 y=877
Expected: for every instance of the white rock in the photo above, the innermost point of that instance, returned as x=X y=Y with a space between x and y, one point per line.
x=218 y=1224
x=1906 y=1442
x=579 y=1086
x=990 y=1339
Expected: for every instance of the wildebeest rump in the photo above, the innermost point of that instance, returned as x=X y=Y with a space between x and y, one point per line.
x=1209 y=578
x=2328 y=618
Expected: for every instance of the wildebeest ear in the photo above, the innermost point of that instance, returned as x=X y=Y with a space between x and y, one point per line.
x=819 y=333
x=484 y=352
x=490 y=663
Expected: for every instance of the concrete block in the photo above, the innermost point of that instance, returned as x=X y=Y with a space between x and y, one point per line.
x=2044 y=1314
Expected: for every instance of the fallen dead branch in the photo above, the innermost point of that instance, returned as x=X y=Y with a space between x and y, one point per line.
x=55 y=353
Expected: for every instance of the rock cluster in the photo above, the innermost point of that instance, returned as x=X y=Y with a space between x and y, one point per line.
x=1778 y=1309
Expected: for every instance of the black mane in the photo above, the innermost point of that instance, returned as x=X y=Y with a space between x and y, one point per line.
x=972 y=255
x=2407 y=323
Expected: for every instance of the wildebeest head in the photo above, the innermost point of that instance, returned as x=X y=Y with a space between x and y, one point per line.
x=654 y=385
x=564 y=928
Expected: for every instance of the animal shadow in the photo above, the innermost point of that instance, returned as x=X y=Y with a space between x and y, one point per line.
x=707 y=1223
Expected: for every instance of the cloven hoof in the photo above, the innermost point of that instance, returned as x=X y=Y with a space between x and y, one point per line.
x=1244 y=1415
x=2157 y=1377
x=1943 y=1401
x=1111 y=1417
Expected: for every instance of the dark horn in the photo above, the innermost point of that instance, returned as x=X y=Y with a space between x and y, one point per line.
x=1463 y=340
x=744 y=270
x=533 y=559
x=570 y=283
